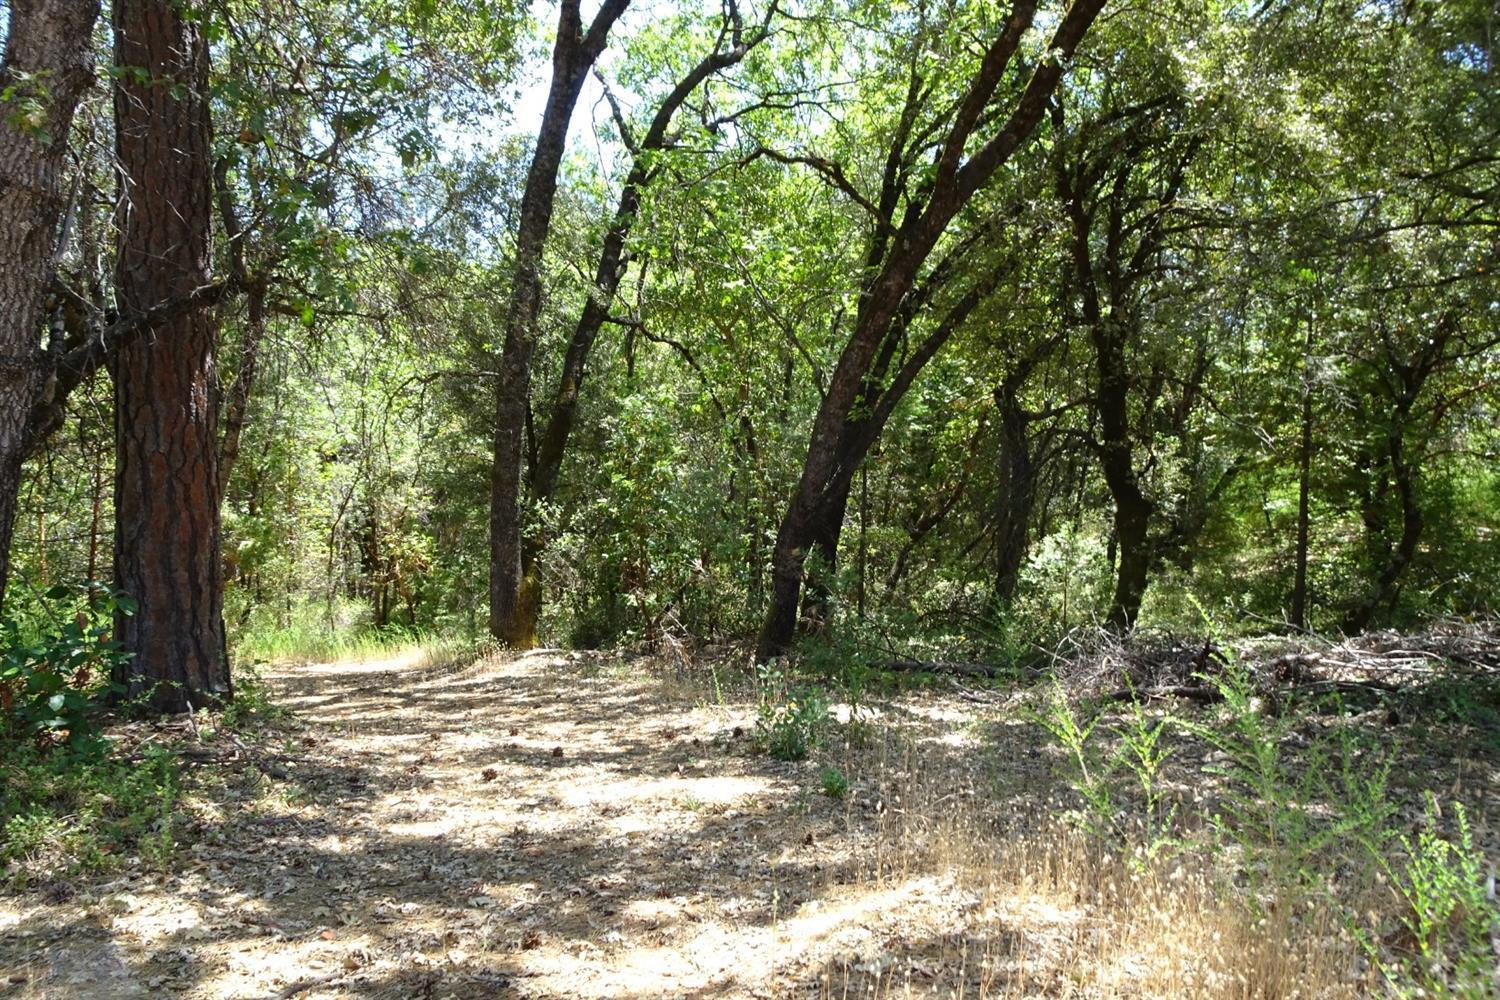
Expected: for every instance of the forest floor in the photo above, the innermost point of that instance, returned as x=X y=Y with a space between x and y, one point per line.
x=558 y=825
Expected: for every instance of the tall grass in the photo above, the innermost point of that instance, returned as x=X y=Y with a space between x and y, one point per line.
x=315 y=632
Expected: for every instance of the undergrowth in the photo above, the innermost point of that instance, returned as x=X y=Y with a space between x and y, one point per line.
x=60 y=818
x=1300 y=818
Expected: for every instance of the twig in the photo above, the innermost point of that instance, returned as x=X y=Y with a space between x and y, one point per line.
x=303 y=985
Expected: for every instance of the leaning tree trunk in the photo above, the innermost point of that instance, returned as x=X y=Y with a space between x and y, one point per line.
x=167 y=489
x=894 y=288
x=48 y=63
x=515 y=591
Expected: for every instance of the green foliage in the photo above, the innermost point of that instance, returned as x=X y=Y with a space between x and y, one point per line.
x=60 y=817
x=251 y=705
x=1112 y=780
x=323 y=632
x=1284 y=814
x=1451 y=917
x=842 y=661
x=834 y=783
x=790 y=717
x=1090 y=771
x=55 y=674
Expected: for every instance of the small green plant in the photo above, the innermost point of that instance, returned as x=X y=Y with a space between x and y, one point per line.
x=1144 y=753
x=791 y=718
x=251 y=702
x=1090 y=773
x=54 y=678
x=842 y=662
x=1451 y=919
x=834 y=782
x=159 y=842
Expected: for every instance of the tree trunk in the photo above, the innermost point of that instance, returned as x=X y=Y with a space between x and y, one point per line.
x=1304 y=490
x=514 y=593
x=839 y=440
x=1386 y=589
x=608 y=272
x=237 y=404
x=1016 y=495
x=167 y=487
x=1133 y=509
x=1132 y=521
x=49 y=60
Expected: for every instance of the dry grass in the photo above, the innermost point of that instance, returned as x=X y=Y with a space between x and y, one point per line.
x=569 y=826
x=1028 y=906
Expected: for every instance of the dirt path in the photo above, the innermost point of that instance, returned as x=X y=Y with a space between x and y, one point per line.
x=532 y=827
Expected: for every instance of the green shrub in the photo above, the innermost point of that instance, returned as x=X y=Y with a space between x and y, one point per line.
x=834 y=782
x=791 y=717
x=53 y=678
x=61 y=816
x=1451 y=920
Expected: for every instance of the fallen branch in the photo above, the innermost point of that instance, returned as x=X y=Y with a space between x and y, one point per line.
x=962 y=668
x=1208 y=695
x=303 y=985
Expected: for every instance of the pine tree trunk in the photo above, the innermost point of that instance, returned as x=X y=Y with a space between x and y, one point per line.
x=49 y=59
x=167 y=489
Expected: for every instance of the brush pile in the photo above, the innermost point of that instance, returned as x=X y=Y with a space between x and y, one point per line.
x=1173 y=666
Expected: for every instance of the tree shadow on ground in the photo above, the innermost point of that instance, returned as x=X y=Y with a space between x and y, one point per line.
x=521 y=827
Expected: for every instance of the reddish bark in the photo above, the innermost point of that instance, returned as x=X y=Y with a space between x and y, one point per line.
x=167 y=489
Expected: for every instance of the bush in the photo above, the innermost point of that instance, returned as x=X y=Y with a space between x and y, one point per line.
x=60 y=817
x=834 y=782
x=1451 y=923
x=791 y=717
x=54 y=680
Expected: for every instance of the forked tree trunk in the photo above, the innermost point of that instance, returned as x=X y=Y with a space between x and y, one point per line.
x=48 y=63
x=167 y=490
x=515 y=590
x=552 y=440
x=841 y=434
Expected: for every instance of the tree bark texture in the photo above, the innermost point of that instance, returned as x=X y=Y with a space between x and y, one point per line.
x=1016 y=496
x=514 y=584
x=167 y=476
x=48 y=63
